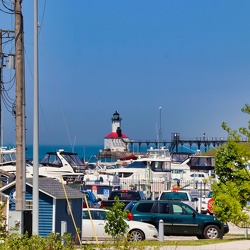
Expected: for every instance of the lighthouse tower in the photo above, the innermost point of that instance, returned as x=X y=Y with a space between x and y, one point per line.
x=116 y=140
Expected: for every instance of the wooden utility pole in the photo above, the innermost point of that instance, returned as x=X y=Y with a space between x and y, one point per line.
x=19 y=62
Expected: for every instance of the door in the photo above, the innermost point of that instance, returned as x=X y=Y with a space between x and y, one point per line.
x=184 y=223
x=87 y=229
x=161 y=211
x=94 y=228
x=99 y=221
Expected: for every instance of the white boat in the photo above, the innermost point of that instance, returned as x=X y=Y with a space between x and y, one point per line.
x=101 y=178
x=8 y=162
x=192 y=169
x=155 y=167
x=61 y=165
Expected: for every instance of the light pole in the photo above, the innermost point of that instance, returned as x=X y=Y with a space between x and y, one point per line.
x=160 y=132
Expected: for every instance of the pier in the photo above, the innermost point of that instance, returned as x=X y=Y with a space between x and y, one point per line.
x=174 y=145
x=177 y=142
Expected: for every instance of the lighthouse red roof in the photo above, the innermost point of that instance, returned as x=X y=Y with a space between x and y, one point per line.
x=114 y=135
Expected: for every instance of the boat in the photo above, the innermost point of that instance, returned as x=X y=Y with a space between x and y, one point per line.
x=154 y=167
x=8 y=163
x=63 y=166
x=192 y=170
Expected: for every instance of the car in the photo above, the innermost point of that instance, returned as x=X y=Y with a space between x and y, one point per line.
x=91 y=199
x=179 y=219
x=137 y=231
x=180 y=195
x=204 y=202
x=125 y=196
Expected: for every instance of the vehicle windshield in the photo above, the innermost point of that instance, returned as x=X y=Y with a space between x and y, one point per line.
x=73 y=159
x=138 y=164
x=174 y=196
x=51 y=159
x=155 y=166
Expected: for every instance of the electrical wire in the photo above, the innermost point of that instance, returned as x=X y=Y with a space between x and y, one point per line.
x=4 y=3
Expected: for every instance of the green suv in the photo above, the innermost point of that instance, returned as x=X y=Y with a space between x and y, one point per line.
x=179 y=219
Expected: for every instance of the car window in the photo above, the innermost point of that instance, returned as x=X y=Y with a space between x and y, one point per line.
x=100 y=215
x=161 y=208
x=174 y=196
x=182 y=209
x=85 y=215
x=144 y=207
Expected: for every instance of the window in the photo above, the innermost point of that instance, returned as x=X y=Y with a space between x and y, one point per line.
x=85 y=215
x=145 y=207
x=161 y=208
x=100 y=215
x=174 y=196
x=182 y=209
x=29 y=204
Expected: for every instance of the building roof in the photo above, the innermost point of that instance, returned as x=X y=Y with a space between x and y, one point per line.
x=114 y=135
x=52 y=188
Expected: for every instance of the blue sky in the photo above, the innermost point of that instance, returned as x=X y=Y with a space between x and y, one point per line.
x=192 y=58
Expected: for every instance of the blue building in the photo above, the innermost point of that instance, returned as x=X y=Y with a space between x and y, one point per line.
x=53 y=206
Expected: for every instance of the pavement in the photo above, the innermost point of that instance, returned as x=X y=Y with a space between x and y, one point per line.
x=240 y=245
x=233 y=245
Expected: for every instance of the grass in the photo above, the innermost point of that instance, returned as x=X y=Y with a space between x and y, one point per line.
x=156 y=244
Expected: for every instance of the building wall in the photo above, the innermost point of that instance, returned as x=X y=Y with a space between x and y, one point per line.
x=63 y=214
x=115 y=144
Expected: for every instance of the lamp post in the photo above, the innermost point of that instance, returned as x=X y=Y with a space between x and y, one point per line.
x=160 y=132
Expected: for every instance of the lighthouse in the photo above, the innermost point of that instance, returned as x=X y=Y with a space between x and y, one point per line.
x=116 y=140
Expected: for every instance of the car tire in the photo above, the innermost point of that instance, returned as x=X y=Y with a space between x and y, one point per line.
x=136 y=235
x=211 y=232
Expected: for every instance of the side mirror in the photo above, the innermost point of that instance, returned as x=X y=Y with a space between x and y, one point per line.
x=195 y=199
x=193 y=214
x=156 y=198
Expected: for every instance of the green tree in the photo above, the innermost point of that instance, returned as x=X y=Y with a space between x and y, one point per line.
x=232 y=192
x=116 y=226
x=3 y=226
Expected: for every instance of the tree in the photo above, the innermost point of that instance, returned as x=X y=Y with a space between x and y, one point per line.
x=116 y=226
x=232 y=192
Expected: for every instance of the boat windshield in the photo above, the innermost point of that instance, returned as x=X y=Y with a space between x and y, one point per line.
x=155 y=166
x=51 y=159
x=73 y=159
x=137 y=164
x=7 y=158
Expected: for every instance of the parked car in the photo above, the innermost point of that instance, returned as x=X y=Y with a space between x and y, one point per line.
x=137 y=231
x=125 y=196
x=180 y=195
x=204 y=202
x=179 y=219
x=91 y=199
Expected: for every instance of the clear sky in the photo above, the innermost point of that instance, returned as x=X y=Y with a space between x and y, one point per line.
x=191 y=58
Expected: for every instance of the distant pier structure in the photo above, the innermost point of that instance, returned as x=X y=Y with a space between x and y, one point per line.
x=118 y=145
x=176 y=142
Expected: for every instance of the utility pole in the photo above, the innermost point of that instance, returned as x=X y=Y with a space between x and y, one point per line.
x=19 y=63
